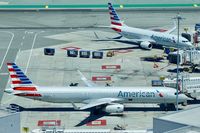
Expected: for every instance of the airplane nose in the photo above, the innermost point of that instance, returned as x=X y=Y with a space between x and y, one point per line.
x=8 y=90
x=183 y=98
x=190 y=44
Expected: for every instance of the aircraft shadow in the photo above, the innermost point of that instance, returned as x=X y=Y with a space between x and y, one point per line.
x=19 y=108
x=193 y=102
x=136 y=46
x=89 y=119
x=181 y=70
x=93 y=117
x=68 y=109
x=145 y=109
x=174 y=70
x=126 y=48
x=152 y=59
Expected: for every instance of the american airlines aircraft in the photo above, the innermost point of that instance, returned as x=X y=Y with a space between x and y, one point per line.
x=107 y=99
x=144 y=38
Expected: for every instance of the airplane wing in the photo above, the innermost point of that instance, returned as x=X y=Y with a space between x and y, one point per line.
x=136 y=41
x=123 y=39
x=172 y=29
x=167 y=31
x=96 y=102
x=86 y=81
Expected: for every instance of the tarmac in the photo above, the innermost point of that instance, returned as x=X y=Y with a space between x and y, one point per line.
x=26 y=34
x=60 y=70
x=71 y=2
x=86 y=4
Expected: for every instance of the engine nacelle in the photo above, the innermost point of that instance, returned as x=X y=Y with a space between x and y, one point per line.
x=114 y=108
x=146 y=45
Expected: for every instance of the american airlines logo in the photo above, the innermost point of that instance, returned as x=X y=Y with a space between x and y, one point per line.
x=159 y=93
x=164 y=39
x=125 y=94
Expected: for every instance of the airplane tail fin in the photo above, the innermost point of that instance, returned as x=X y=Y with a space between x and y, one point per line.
x=116 y=23
x=19 y=81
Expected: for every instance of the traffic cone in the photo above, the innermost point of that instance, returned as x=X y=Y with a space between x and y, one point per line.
x=155 y=65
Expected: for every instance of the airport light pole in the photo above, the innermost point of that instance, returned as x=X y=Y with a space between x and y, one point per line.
x=178 y=18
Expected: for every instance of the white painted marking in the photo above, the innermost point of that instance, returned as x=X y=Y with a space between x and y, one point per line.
x=21 y=43
x=8 y=47
x=3 y=73
x=17 y=54
x=23 y=37
x=29 y=32
x=35 y=36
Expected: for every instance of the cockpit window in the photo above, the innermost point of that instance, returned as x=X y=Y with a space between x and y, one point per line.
x=184 y=41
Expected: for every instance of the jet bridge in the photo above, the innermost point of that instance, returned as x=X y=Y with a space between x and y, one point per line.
x=187 y=57
x=188 y=85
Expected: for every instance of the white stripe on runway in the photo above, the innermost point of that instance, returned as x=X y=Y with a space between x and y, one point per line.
x=7 y=48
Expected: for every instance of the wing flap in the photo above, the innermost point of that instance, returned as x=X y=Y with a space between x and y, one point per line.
x=127 y=40
x=96 y=102
x=93 y=104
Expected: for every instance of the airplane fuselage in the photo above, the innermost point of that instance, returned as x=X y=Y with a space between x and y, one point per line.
x=124 y=94
x=159 y=38
x=145 y=38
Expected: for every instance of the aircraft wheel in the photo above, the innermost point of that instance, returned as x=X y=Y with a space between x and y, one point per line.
x=167 y=106
x=184 y=104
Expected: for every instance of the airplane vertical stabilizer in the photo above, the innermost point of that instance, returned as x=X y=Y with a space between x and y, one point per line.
x=19 y=79
x=116 y=23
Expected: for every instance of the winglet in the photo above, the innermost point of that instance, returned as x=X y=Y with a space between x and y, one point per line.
x=172 y=29
x=85 y=80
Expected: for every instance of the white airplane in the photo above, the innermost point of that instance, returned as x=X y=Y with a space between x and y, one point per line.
x=107 y=99
x=144 y=38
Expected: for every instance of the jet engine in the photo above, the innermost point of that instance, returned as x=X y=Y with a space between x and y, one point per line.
x=114 y=108
x=146 y=45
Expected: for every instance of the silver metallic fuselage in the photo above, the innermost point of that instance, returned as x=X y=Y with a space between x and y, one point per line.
x=124 y=94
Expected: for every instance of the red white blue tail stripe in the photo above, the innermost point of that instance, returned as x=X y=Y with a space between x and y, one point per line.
x=17 y=76
x=22 y=86
x=159 y=93
x=115 y=20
